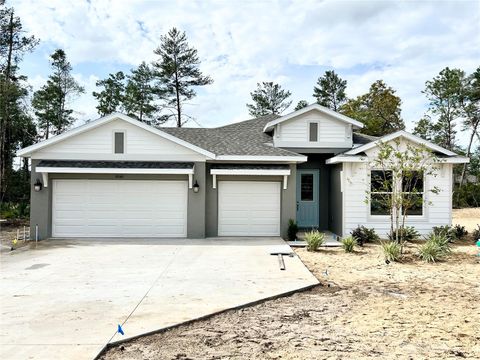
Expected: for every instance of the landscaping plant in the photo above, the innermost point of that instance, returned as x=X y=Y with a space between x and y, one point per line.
x=348 y=243
x=447 y=231
x=363 y=235
x=476 y=234
x=292 y=230
x=314 y=240
x=441 y=241
x=392 y=250
x=436 y=247
x=407 y=233
x=460 y=231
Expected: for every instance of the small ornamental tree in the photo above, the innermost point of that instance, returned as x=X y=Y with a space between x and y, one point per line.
x=398 y=171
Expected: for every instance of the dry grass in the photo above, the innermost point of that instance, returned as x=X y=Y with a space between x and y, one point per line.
x=470 y=218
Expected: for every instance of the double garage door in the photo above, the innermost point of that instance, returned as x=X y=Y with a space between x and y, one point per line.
x=119 y=208
x=137 y=208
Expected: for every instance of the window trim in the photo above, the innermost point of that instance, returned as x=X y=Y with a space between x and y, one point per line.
x=124 y=132
x=398 y=184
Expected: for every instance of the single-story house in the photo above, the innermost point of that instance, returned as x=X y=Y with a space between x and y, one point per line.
x=119 y=177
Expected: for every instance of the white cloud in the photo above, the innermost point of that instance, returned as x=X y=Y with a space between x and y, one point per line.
x=242 y=43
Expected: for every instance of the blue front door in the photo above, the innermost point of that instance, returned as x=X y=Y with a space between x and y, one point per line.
x=307 y=198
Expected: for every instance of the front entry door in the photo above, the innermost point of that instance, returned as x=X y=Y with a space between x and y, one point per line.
x=307 y=198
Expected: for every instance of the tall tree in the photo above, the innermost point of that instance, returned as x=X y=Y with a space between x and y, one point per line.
x=425 y=128
x=301 y=104
x=444 y=93
x=52 y=100
x=110 y=99
x=14 y=43
x=379 y=110
x=177 y=71
x=268 y=98
x=139 y=99
x=471 y=112
x=330 y=90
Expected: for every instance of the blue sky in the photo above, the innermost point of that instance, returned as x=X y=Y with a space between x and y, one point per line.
x=241 y=43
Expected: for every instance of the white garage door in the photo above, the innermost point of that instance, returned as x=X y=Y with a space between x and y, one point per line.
x=248 y=208
x=119 y=208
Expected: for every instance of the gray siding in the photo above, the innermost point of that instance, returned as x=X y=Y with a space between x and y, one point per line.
x=336 y=200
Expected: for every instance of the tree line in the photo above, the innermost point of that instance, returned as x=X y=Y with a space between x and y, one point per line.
x=157 y=92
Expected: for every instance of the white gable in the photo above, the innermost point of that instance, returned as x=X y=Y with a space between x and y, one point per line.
x=97 y=143
x=295 y=132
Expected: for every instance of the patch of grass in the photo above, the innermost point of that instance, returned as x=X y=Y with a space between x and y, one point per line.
x=392 y=250
x=314 y=240
x=348 y=244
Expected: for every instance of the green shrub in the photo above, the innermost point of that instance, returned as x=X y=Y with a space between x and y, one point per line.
x=292 y=230
x=10 y=210
x=446 y=231
x=348 y=243
x=467 y=195
x=476 y=234
x=430 y=251
x=392 y=250
x=460 y=231
x=314 y=240
x=363 y=235
x=407 y=233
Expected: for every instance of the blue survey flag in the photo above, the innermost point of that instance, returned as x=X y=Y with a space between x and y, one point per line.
x=120 y=330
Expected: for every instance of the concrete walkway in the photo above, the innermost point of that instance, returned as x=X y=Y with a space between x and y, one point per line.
x=65 y=299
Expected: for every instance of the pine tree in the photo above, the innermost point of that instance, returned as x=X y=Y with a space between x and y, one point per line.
x=51 y=101
x=14 y=43
x=330 y=91
x=301 y=104
x=177 y=71
x=111 y=98
x=140 y=95
x=268 y=98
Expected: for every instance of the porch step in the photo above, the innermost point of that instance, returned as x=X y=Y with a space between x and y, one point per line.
x=330 y=240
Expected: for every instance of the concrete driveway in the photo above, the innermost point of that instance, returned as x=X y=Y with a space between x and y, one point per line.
x=65 y=299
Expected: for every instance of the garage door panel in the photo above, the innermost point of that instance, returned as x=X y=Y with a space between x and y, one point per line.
x=248 y=208
x=125 y=208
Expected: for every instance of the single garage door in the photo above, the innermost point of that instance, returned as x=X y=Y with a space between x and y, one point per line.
x=119 y=208
x=248 y=208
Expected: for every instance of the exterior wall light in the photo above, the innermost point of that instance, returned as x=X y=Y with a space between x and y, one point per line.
x=196 y=187
x=38 y=185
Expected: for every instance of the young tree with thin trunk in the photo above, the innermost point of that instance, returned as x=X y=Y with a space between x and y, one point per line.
x=268 y=98
x=51 y=101
x=178 y=72
x=330 y=90
x=397 y=182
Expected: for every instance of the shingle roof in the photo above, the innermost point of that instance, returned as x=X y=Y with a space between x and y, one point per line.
x=116 y=164
x=250 y=167
x=363 y=138
x=243 y=138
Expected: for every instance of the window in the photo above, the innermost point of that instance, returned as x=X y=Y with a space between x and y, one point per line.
x=119 y=143
x=306 y=187
x=412 y=187
x=381 y=192
x=313 y=132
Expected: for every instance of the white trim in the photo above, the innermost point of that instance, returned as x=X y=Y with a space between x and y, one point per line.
x=74 y=170
x=271 y=172
x=285 y=182
x=25 y=152
x=455 y=160
x=45 y=179
x=190 y=181
x=214 y=181
x=400 y=133
x=269 y=126
x=342 y=159
x=262 y=158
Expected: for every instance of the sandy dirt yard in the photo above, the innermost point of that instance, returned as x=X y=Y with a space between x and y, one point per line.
x=470 y=218
x=8 y=233
x=364 y=309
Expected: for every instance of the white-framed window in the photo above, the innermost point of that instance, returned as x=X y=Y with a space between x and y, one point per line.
x=119 y=141
x=382 y=186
